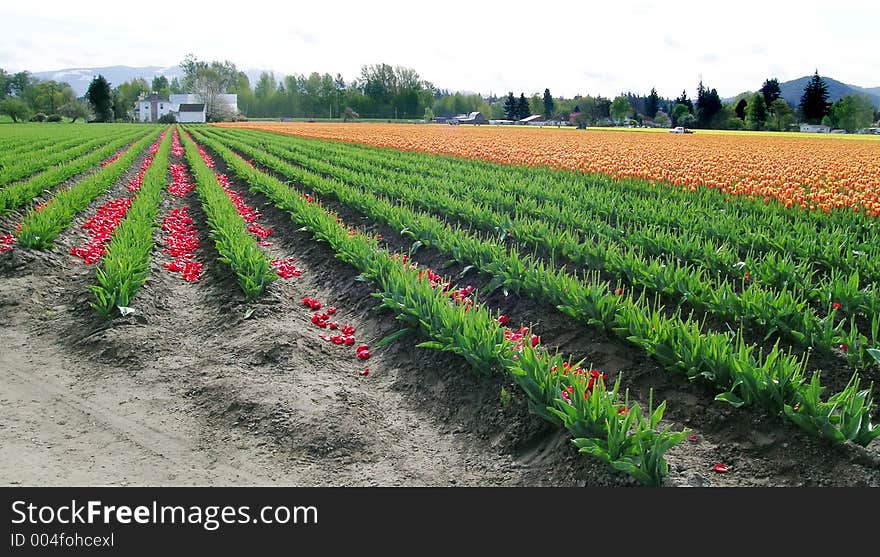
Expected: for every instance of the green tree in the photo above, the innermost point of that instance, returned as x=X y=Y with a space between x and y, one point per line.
x=652 y=104
x=549 y=105
x=781 y=115
x=522 y=107
x=683 y=99
x=126 y=95
x=708 y=106
x=756 y=112
x=679 y=111
x=771 y=91
x=853 y=112
x=511 y=109
x=536 y=104
x=814 y=101
x=75 y=110
x=161 y=86
x=15 y=108
x=661 y=119
x=740 y=109
x=98 y=95
x=429 y=115
x=620 y=109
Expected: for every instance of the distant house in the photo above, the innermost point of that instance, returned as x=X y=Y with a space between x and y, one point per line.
x=229 y=101
x=470 y=118
x=815 y=128
x=151 y=108
x=191 y=113
x=184 y=107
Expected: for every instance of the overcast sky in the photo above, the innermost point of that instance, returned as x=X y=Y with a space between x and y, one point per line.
x=570 y=47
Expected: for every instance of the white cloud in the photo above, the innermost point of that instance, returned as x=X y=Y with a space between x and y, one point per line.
x=571 y=47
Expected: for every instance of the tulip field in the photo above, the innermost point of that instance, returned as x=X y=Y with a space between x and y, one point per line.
x=639 y=294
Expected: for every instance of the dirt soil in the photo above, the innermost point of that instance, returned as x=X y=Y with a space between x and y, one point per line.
x=197 y=387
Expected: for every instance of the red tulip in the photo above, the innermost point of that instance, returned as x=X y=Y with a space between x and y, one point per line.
x=693 y=438
x=362 y=347
x=720 y=468
x=619 y=292
x=348 y=340
x=363 y=355
x=503 y=319
x=365 y=371
x=535 y=340
x=844 y=347
x=331 y=310
x=835 y=305
x=347 y=330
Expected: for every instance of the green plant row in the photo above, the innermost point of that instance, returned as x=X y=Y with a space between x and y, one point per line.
x=775 y=380
x=775 y=313
x=126 y=262
x=11 y=151
x=22 y=193
x=30 y=164
x=237 y=247
x=603 y=423
x=572 y=215
x=49 y=139
x=842 y=240
x=40 y=228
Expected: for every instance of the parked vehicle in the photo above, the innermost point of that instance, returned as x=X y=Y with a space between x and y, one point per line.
x=680 y=129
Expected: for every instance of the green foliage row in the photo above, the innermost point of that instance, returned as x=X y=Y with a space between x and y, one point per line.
x=782 y=312
x=29 y=164
x=40 y=228
x=775 y=380
x=22 y=193
x=126 y=263
x=840 y=241
x=605 y=426
x=237 y=247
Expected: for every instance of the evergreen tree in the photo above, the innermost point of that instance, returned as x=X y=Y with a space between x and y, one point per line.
x=740 y=109
x=708 y=106
x=756 y=112
x=511 y=109
x=652 y=105
x=814 y=101
x=523 y=110
x=549 y=105
x=771 y=91
x=99 y=97
x=683 y=99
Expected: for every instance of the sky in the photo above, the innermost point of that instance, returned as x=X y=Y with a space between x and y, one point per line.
x=570 y=47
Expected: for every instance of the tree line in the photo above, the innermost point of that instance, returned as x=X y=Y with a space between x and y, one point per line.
x=386 y=92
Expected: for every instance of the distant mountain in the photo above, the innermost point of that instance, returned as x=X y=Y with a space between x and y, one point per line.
x=792 y=90
x=79 y=78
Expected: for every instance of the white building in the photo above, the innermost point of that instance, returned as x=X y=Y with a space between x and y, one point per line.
x=150 y=109
x=815 y=128
x=190 y=113
x=186 y=108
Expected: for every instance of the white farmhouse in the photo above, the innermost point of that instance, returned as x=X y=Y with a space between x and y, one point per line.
x=151 y=108
x=185 y=108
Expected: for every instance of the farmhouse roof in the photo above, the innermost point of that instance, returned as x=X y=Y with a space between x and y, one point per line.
x=532 y=118
x=198 y=107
